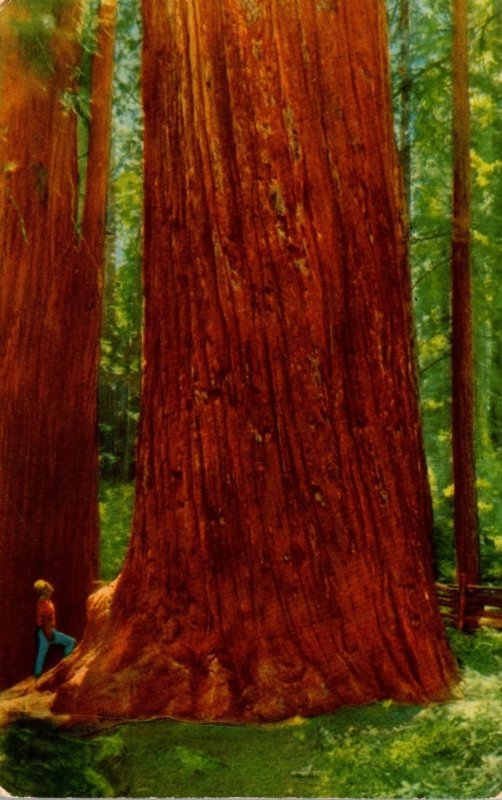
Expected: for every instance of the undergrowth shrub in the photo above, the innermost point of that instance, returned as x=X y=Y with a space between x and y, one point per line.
x=39 y=760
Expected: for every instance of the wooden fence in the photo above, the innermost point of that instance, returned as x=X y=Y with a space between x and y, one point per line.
x=469 y=607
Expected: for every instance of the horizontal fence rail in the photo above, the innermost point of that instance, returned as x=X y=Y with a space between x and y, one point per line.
x=468 y=606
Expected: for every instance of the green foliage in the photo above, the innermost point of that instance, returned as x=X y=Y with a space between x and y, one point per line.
x=121 y=342
x=439 y=752
x=78 y=98
x=431 y=181
x=35 y=29
x=486 y=52
x=430 y=122
x=39 y=760
x=81 y=98
x=115 y=509
x=489 y=487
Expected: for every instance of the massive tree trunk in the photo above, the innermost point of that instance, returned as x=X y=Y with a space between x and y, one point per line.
x=464 y=470
x=49 y=328
x=280 y=559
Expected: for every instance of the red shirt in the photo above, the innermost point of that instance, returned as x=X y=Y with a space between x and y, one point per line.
x=46 y=614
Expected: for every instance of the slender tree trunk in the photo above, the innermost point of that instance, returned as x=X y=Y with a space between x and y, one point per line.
x=464 y=471
x=94 y=235
x=495 y=363
x=49 y=328
x=107 y=401
x=280 y=560
x=96 y=195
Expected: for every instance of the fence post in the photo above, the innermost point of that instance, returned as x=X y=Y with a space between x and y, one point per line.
x=462 y=590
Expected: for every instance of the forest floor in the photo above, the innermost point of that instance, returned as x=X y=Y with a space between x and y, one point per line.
x=449 y=750
x=23 y=699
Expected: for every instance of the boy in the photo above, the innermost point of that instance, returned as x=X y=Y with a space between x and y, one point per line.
x=46 y=626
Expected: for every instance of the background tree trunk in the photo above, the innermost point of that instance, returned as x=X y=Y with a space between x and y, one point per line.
x=98 y=159
x=495 y=373
x=280 y=560
x=97 y=190
x=49 y=323
x=464 y=469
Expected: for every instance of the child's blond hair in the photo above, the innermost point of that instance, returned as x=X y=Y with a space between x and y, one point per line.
x=43 y=587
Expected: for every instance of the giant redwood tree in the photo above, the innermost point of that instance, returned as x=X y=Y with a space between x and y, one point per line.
x=49 y=328
x=280 y=558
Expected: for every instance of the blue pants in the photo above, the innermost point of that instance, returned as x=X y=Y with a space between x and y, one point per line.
x=68 y=643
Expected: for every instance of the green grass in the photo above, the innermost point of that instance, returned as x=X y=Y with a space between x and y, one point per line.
x=451 y=750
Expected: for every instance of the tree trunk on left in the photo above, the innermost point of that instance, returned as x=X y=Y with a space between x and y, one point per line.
x=49 y=332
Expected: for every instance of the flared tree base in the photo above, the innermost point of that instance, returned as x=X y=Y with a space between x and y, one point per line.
x=133 y=672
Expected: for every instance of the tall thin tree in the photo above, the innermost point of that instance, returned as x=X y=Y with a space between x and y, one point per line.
x=98 y=157
x=464 y=470
x=495 y=371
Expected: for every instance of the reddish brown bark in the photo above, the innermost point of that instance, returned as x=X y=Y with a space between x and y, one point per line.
x=280 y=559
x=49 y=328
x=464 y=469
x=98 y=157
